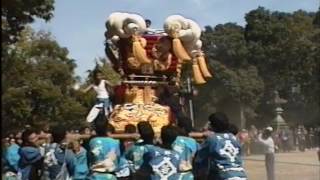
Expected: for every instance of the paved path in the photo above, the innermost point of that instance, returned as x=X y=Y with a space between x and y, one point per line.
x=289 y=166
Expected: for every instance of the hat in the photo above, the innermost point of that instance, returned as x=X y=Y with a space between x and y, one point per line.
x=269 y=128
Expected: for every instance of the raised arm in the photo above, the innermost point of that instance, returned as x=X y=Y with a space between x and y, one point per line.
x=261 y=140
x=87 y=89
x=110 y=84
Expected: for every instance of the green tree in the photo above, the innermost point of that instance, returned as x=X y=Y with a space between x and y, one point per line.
x=235 y=81
x=37 y=83
x=16 y=14
x=285 y=49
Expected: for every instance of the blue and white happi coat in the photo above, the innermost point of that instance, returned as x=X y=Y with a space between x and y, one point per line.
x=105 y=154
x=223 y=152
x=163 y=162
x=187 y=148
x=135 y=155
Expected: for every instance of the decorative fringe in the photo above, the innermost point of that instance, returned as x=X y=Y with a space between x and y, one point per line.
x=203 y=67
x=129 y=95
x=179 y=50
x=148 y=94
x=138 y=98
x=198 y=78
x=139 y=52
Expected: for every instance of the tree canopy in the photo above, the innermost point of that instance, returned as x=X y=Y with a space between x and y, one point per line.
x=274 y=51
x=37 y=82
x=16 y=14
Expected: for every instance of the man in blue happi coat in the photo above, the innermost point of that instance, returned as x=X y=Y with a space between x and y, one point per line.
x=163 y=162
x=58 y=159
x=220 y=152
x=187 y=148
x=104 y=154
x=135 y=154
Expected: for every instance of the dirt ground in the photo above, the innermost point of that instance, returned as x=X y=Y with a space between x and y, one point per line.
x=288 y=166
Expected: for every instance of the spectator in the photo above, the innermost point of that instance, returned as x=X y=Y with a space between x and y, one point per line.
x=268 y=144
x=284 y=135
x=31 y=162
x=223 y=151
x=291 y=138
x=253 y=132
x=246 y=141
x=11 y=159
x=85 y=130
x=311 y=138
x=18 y=138
x=250 y=145
x=317 y=137
x=277 y=141
x=301 y=138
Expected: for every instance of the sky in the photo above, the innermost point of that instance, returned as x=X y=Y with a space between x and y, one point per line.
x=79 y=25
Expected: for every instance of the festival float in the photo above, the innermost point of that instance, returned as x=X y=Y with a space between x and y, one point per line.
x=149 y=60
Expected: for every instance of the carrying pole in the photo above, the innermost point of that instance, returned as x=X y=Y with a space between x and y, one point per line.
x=190 y=92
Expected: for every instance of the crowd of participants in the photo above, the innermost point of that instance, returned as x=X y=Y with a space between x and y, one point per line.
x=286 y=139
x=87 y=154
x=56 y=154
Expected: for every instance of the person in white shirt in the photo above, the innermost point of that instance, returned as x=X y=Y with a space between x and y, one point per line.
x=102 y=88
x=266 y=140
